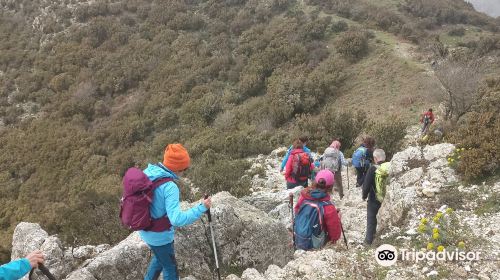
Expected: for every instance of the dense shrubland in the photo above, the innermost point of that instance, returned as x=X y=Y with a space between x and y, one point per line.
x=88 y=90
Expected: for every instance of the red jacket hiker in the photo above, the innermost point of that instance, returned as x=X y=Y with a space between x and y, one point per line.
x=428 y=114
x=289 y=166
x=331 y=217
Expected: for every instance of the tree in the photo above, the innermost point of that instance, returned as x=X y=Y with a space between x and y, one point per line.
x=461 y=80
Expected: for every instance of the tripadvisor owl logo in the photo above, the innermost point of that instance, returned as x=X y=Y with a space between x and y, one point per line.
x=386 y=255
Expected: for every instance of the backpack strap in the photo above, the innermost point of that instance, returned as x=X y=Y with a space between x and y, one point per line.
x=319 y=205
x=163 y=223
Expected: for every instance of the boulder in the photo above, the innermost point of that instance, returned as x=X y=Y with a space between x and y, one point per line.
x=245 y=237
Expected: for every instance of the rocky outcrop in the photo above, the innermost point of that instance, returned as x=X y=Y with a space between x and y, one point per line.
x=416 y=172
x=246 y=237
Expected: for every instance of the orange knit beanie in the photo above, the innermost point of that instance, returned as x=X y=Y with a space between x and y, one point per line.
x=176 y=157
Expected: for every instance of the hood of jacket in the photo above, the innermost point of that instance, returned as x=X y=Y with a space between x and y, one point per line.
x=159 y=171
x=310 y=194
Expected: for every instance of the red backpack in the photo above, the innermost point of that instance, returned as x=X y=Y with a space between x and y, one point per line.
x=301 y=164
x=136 y=200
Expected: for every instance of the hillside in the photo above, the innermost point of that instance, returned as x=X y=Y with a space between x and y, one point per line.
x=90 y=88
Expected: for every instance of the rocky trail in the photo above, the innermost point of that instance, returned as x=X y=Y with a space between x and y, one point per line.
x=254 y=243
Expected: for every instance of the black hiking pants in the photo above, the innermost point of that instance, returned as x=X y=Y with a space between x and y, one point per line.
x=371 y=220
x=360 y=176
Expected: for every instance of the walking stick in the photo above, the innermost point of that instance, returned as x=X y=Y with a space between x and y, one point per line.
x=290 y=196
x=343 y=233
x=44 y=270
x=347 y=169
x=209 y=215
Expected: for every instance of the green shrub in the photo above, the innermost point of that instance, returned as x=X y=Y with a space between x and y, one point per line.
x=388 y=135
x=457 y=31
x=478 y=132
x=339 y=26
x=352 y=45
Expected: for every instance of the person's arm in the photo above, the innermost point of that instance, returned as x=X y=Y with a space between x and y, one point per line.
x=368 y=182
x=285 y=159
x=177 y=217
x=332 y=223
x=342 y=159
x=15 y=269
x=288 y=167
x=432 y=118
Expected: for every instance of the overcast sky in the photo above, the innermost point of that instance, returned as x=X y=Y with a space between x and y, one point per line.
x=490 y=7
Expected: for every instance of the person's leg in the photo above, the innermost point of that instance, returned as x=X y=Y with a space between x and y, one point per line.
x=338 y=184
x=359 y=176
x=154 y=269
x=371 y=220
x=165 y=255
x=290 y=185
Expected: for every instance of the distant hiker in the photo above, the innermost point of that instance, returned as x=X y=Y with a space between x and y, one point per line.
x=374 y=188
x=298 y=167
x=362 y=158
x=166 y=204
x=316 y=218
x=427 y=119
x=305 y=141
x=333 y=159
x=19 y=268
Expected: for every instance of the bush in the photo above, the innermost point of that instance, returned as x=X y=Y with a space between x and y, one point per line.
x=389 y=135
x=339 y=26
x=352 y=44
x=457 y=31
x=478 y=133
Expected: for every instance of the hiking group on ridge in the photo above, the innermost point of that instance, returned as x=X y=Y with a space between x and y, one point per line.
x=150 y=202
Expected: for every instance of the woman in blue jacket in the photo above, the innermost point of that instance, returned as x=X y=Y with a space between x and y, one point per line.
x=166 y=203
x=18 y=268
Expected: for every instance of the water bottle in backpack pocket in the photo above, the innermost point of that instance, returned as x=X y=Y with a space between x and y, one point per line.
x=309 y=227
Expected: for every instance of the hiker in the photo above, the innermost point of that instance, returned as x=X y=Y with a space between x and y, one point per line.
x=304 y=140
x=427 y=119
x=166 y=203
x=19 y=268
x=374 y=187
x=306 y=237
x=362 y=158
x=298 y=167
x=333 y=159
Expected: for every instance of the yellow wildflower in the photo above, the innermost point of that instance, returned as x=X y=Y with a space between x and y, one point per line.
x=452 y=160
x=430 y=246
x=463 y=149
x=435 y=230
x=421 y=228
x=449 y=210
x=424 y=221
x=440 y=248
x=436 y=220
x=439 y=215
x=435 y=236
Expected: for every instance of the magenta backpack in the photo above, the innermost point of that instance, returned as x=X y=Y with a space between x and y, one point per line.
x=136 y=200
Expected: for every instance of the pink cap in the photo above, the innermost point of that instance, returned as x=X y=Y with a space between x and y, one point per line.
x=335 y=144
x=326 y=175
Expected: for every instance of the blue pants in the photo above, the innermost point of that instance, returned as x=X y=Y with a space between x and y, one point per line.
x=163 y=261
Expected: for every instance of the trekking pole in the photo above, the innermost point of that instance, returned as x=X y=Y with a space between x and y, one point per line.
x=44 y=270
x=343 y=233
x=209 y=215
x=347 y=170
x=293 y=220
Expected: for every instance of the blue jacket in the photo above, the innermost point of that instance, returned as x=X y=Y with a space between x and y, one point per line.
x=166 y=201
x=15 y=269
x=285 y=159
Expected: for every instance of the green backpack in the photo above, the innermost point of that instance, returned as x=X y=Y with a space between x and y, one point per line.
x=381 y=180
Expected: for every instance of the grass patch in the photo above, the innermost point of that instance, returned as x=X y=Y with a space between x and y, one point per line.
x=490 y=205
